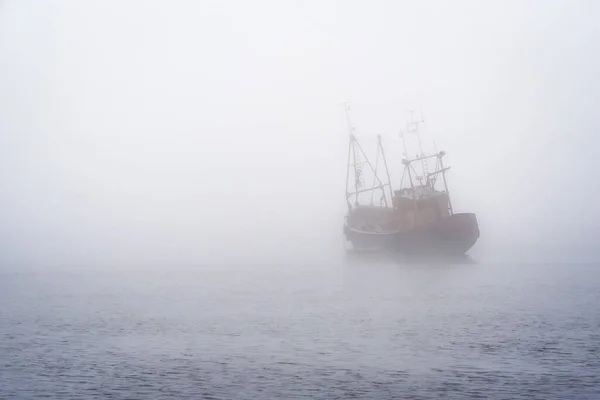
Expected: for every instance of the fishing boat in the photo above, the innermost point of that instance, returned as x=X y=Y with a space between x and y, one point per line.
x=418 y=218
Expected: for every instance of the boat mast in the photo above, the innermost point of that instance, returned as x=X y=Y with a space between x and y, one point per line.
x=358 y=176
x=348 y=171
x=406 y=163
x=351 y=151
x=387 y=171
x=440 y=155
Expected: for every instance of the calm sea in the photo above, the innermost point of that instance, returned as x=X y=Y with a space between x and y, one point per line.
x=368 y=327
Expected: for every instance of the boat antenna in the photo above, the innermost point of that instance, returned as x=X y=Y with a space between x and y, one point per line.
x=415 y=125
x=347 y=112
x=401 y=134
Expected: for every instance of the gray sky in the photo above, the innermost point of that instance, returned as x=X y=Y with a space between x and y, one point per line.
x=155 y=131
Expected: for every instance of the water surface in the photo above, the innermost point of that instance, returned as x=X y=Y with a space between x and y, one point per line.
x=366 y=327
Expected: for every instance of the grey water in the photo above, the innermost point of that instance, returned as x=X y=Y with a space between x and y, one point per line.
x=364 y=327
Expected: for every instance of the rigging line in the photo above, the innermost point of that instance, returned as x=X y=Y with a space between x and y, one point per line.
x=375 y=176
x=416 y=175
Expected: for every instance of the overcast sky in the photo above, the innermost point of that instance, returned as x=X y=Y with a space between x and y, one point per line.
x=177 y=131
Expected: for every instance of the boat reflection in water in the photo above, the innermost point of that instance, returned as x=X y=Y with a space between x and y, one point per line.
x=371 y=257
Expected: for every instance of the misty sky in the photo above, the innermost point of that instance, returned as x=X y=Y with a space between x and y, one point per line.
x=139 y=131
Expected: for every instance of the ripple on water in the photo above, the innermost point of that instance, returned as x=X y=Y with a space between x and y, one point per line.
x=461 y=332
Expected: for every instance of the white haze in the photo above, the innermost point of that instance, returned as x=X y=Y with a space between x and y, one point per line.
x=194 y=132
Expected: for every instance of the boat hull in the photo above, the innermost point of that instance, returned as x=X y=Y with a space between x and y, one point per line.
x=453 y=235
x=369 y=241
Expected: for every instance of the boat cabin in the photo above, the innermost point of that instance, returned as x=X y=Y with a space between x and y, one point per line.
x=420 y=205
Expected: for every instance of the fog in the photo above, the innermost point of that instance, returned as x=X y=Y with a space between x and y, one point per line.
x=168 y=133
